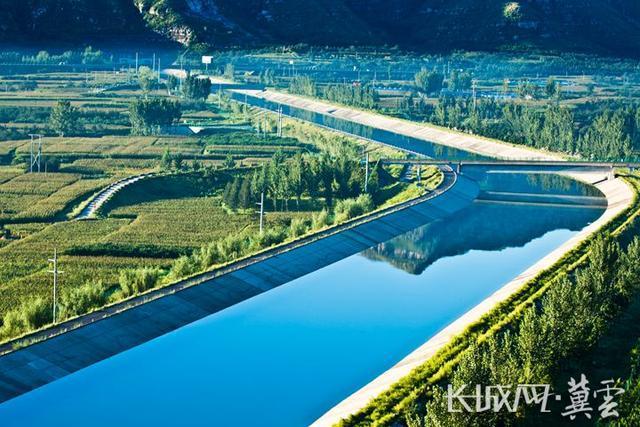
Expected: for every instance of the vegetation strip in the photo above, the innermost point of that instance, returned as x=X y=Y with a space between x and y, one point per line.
x=390 y=406
x=195 y=280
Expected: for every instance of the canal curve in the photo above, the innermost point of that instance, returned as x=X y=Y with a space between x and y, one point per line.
x=287 y=356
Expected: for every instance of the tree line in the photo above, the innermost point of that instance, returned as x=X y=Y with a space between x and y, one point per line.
x=353 y=94
x=572 y=316
x=147 y=116
x=315 y=176
x=609 y=133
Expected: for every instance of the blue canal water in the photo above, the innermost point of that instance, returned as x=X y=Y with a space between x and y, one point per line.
x=285 y=357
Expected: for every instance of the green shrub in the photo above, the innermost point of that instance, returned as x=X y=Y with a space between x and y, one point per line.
x=133 y=282
x=233 y=247
x=185 y=266
x=271 y=237
x=321 y=219
x=352 y=208
x=298 y=227
x=29 y=316
x=208 y=255
x=630 y=400
x=82 y=299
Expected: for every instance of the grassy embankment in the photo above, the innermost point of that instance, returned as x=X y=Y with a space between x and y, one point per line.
x=393 y=405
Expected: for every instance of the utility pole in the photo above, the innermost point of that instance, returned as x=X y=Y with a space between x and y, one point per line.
x=474 y=85
x=280 y=121
x=366 y=171
x=153 y=65
x=158 y=70
x=137 y=64
x=36 y=152
x=261 y=204
x=55 y=273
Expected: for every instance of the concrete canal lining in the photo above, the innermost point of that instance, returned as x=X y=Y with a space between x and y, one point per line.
x=617 y=193
x=104 y=195
x=619 y=197
x=41 y=363
x=428 y=133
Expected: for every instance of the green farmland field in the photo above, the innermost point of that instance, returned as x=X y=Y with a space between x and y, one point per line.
x=163 y=223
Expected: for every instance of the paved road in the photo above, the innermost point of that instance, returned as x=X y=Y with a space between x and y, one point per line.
x=107 y=193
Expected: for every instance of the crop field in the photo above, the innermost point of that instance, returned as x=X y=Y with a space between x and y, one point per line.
x=130 y=228
x=23 y=271
x=156 y=221
x=146 y=225
x=179 y=214
x=30 y=197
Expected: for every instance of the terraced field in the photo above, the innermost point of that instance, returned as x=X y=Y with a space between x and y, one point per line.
x=168 y=226
x=41 y=197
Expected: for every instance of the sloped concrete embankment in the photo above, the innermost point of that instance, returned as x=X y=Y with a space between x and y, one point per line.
x=119 y=328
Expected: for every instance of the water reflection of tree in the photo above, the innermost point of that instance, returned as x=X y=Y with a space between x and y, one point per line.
x=542 y=183
x=482 y=226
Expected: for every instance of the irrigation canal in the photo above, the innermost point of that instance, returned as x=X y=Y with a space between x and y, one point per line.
x=347 y=311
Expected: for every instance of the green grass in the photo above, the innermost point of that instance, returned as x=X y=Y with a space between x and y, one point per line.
x=177 y=212
x=146 y=225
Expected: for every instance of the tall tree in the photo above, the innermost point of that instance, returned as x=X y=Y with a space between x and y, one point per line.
x=234 y=193
x=326 y=177
x=196 y=87
x=297 y=178
x=245 y=198
x=428 y=81
x=64 y=118
x=146 y=78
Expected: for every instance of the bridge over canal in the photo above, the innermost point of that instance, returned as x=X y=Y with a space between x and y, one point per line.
x=493 y=190
x=523 y=166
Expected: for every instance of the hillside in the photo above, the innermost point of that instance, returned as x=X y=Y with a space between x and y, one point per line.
x=602 y=26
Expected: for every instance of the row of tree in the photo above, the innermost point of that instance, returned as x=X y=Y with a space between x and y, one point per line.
x=570 y=318
x=354 y=94
x=357 y=95
x=611 y=133
x=147 y=116
x=88 y=56
x=303 y=85
x=314 y=176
